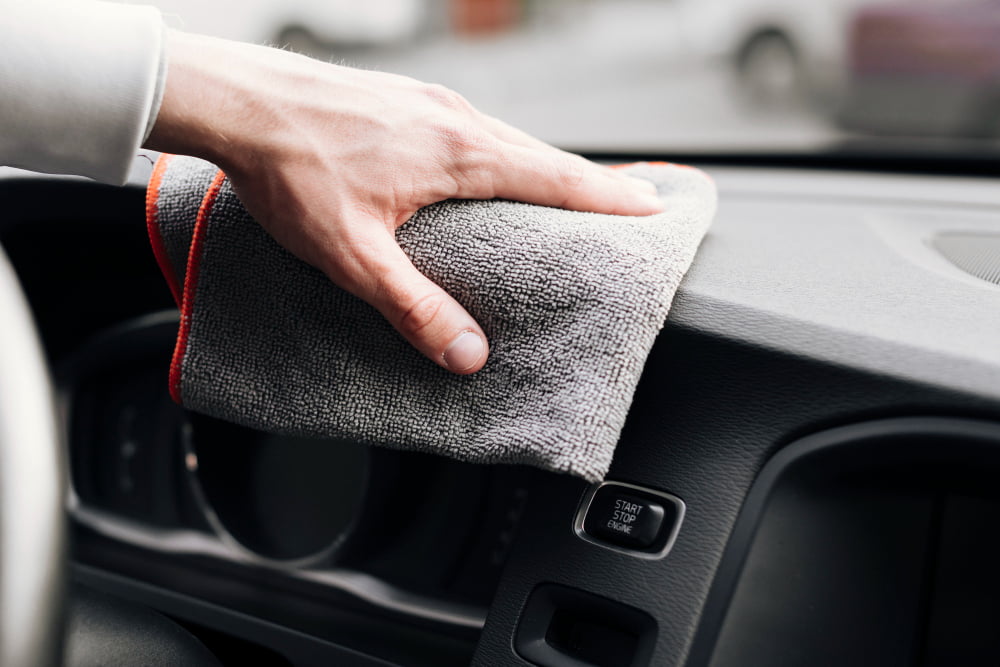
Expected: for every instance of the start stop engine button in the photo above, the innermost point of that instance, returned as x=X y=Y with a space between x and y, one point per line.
x=629 y=518
x=623 y=518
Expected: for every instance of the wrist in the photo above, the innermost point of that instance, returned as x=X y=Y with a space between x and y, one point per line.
x=208 y=102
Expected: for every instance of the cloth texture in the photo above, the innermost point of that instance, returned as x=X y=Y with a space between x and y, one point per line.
x=80 y=85
x=571 y=303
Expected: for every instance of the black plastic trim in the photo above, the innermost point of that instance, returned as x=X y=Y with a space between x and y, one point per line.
x=910 y=439
x=863 y=156
x=301 y=649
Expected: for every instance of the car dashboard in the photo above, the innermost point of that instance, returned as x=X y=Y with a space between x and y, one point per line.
x=822 y=407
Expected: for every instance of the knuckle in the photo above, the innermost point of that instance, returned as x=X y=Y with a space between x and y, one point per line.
x=419 y=315
x=446 y=97
x=466 y=151
x=454 y=138
x=572 y=170
x=458 y=139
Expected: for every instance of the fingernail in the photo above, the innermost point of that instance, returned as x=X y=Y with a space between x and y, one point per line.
x=653 y=202
x=644 y=185
x=464 y=352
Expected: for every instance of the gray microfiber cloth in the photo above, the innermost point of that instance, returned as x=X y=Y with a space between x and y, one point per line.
x=571 y=303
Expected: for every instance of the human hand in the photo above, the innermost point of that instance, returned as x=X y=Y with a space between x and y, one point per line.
x=331 y=160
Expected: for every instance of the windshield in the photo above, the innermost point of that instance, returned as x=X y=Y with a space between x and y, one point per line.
x=668 y=75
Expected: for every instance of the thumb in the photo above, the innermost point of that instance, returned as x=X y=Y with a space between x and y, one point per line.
x=430 y=319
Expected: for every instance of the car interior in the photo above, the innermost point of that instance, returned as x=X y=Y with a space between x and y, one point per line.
x=810 y=459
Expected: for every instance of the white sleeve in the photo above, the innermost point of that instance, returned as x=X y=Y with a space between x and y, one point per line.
x=80 y=85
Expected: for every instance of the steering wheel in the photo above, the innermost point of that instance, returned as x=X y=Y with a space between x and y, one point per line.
x=32 y=491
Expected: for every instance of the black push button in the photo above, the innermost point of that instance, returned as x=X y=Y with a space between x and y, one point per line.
x=629 y=518
x=623 y=518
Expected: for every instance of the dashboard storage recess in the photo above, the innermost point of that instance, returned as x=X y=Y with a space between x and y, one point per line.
x=566 y=627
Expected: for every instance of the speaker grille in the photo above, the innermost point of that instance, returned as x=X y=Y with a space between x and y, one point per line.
x=975 y=253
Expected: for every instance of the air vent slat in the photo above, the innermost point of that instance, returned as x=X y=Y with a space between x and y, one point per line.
x=977 y=254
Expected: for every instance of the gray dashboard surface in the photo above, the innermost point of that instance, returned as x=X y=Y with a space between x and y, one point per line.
x=840 y=268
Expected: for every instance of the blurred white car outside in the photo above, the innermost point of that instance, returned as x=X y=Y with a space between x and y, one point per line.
x=332 y=22
x=779 y=49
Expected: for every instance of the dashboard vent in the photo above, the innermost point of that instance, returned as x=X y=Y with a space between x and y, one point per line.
x=977 y=254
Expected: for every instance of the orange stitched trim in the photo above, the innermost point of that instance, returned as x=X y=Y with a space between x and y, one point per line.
x=153 y=227
x=655 y=164
x=191 y=283
x=663 y=164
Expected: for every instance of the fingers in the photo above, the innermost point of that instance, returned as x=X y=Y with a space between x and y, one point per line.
x=488 y=158
x=511 y=134
x=565 y=166
x=431 y=320
x=555 y=178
